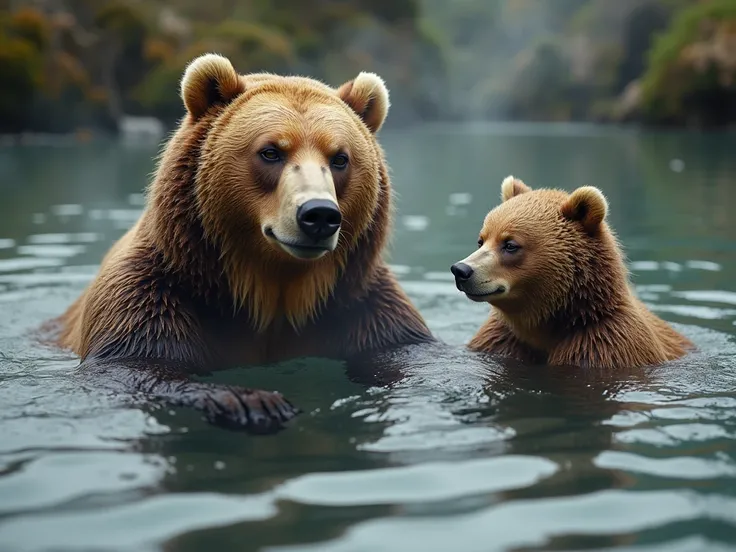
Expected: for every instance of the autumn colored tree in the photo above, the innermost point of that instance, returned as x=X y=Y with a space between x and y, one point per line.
x=66 y=64
x=691 y=73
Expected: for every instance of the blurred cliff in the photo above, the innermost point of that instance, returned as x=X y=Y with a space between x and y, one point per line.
x=67 y=65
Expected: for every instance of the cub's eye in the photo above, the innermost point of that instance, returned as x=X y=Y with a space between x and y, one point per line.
x=510 y=246
x=340 y=161
x=480 y=243
x=270 y=154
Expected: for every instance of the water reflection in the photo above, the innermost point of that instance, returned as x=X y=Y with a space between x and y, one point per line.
x=421 y=449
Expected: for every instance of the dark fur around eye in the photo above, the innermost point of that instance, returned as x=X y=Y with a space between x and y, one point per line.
x=271 y=155
x=339 y=161
x=510 y=246
x=267 y=174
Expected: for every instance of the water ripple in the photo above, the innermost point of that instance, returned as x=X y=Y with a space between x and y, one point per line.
x=131 y=526
x=681 y=467
x=451 y=450
x=61 y=477
x=675 y=435
x=531 y=523
x=427 y=482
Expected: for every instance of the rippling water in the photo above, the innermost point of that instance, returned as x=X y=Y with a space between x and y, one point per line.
x=460 y=452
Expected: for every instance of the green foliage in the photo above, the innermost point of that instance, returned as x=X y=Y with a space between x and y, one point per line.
x=22 y=38
x=158 y=93
x=639 y=29
x=690 y=70
x=250 y=47
x=256 y=47
x=123 y=20
x=92 y=61
x=20 y=75
x=31 y=26
x=89 y=62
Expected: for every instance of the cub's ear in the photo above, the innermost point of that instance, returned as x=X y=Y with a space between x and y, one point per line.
x=207 y=80
x=511 y=187
x=367 y=95
x=588 y=206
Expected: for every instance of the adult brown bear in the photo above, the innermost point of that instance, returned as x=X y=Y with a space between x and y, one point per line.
x=261 y=240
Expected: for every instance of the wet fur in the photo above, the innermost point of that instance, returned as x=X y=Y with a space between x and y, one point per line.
x=578 y=307
x=193 y=282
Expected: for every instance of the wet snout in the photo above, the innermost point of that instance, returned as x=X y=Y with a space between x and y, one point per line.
x=307 y=223
x=461 y=271
x=319 y=218
x=476 y=276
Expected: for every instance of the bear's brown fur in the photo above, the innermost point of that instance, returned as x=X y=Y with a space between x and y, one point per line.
x=203 y=281
x=555 y=276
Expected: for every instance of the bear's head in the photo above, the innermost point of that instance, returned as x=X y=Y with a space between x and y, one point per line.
x=287 y=178
x=542 y=251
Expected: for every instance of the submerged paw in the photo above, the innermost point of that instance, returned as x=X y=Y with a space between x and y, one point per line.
x=248 y=409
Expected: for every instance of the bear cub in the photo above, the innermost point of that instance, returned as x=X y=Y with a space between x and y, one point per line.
x=553 y=272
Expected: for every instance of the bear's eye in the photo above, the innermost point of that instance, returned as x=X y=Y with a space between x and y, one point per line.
x=510 y=246
x=270 y=154
x=340 y=161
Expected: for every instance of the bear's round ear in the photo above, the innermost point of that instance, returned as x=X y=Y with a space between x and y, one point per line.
x=511 y=187
x=588 y=206
x=367 y=95
x=207 y=80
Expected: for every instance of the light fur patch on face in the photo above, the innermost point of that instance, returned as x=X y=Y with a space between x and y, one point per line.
x=311 y=124
x=484 y=282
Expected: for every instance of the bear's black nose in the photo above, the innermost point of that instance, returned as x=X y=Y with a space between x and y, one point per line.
x=318 y=218
x=461 y=271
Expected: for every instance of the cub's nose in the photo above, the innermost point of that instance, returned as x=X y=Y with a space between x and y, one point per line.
x=461 y=271
x=318 y=218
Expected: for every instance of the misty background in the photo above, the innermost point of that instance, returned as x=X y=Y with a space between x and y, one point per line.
x=86 y=66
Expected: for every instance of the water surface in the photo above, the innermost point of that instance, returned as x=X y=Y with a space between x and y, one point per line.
x=463 y=453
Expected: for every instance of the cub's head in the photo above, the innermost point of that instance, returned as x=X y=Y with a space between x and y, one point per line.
x=534 y=247
x=289 y=167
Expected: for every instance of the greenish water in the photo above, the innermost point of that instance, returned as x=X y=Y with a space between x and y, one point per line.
x=462 y=454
